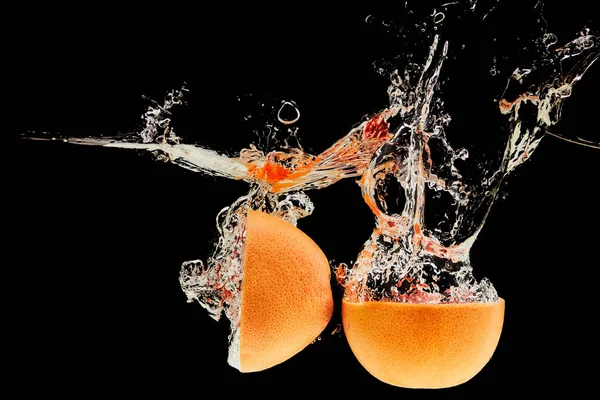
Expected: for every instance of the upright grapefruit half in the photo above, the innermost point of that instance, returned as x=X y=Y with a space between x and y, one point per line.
x=286 y=292
x=423 y=345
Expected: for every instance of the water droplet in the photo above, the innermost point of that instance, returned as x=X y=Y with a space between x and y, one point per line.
x=288 y=113
x=337 y=329
x=369 y=19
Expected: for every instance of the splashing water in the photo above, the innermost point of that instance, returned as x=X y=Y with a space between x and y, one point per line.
x=406 y=259
x=277 y=183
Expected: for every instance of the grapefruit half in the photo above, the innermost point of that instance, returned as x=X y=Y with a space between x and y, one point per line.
x=423 y=345
x=286 y=293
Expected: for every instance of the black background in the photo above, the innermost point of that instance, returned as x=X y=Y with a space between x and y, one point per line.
x=97 y=236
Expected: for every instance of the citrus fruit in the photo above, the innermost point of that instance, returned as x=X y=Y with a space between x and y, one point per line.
x=418 y=345
x=286 y=292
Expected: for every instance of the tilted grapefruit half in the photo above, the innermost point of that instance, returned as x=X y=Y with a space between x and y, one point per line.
x=416 y=345
x=286 y=293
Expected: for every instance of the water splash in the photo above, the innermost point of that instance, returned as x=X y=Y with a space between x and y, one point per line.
x=404 y=147
x=407 y=261
x=278 y=180
x=157 y=118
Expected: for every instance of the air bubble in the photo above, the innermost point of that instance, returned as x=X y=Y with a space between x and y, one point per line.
x=549 y=39
x=288 y=113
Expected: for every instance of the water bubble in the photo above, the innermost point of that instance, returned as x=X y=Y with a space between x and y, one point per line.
x=288 y=113
x=369 y=19
x=493 y=70
x=549 y=39
x=588 y=43
x=438 y=17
